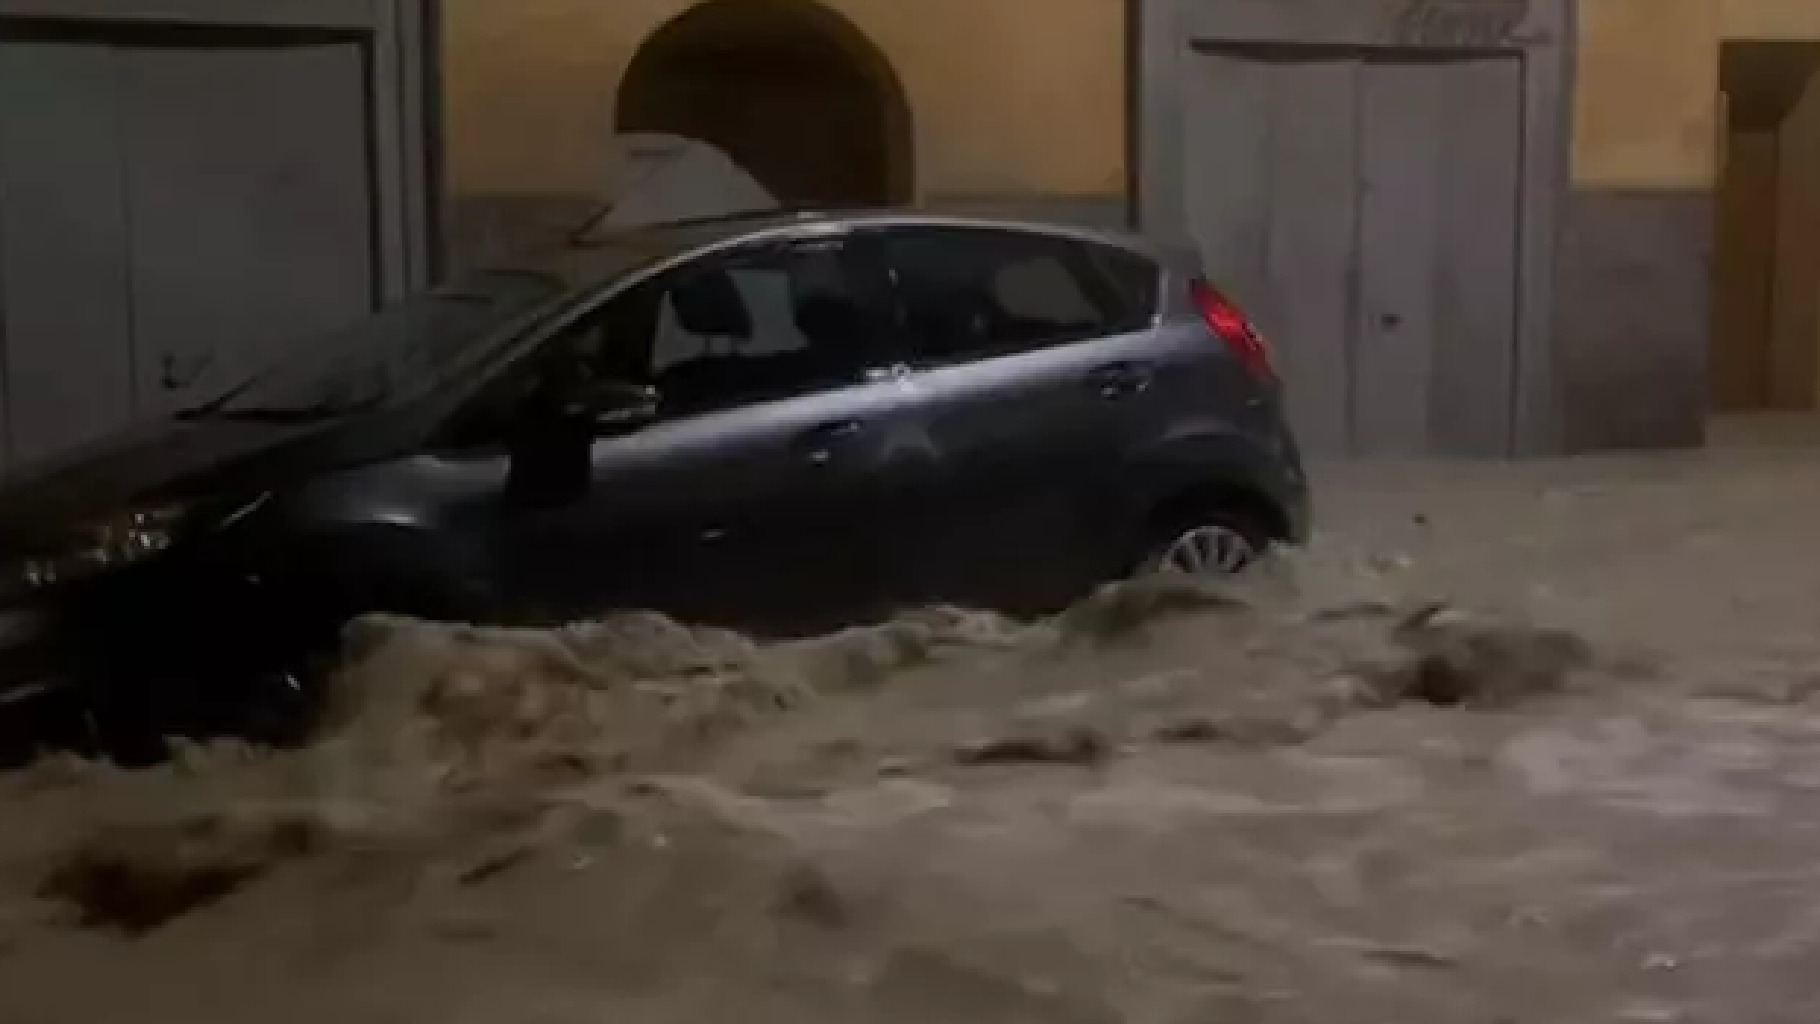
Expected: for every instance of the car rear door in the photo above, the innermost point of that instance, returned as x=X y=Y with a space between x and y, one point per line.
x=753 y=498
x=1031 y=374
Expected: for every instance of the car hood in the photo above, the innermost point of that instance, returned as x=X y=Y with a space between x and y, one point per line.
x=170 y=459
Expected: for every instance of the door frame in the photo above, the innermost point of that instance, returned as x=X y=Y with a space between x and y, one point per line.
x=1542 y=34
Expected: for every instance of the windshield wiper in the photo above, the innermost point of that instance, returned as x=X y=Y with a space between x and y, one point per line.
x=307 y=413
x=216 y=404
x=293 y=414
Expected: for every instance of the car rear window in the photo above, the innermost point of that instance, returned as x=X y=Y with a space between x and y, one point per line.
x=970 y=293
x=1133 y=280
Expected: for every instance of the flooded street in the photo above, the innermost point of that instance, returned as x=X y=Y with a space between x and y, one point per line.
x=1528 y=743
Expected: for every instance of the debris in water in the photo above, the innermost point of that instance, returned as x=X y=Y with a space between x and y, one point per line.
x=1350 y=611
x=1453 y=659
x=1191 y=730
x=894 y=767
x=809 y=894
x=494 y=865
x=1077 y=745
x=1410 y=956
x=1258 y=731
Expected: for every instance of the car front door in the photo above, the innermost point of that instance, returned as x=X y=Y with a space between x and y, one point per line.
x=1030 y=386
x=750 y=499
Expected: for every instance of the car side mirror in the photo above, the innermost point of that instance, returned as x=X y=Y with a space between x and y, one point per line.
x=610 y=407
x=551 y=449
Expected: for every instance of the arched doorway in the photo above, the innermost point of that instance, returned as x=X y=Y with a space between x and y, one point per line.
x=790 y=90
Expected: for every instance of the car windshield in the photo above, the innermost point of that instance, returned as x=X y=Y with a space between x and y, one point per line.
x=408 y=344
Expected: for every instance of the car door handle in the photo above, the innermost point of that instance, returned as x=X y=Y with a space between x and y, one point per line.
x=1116 y=380
x=817 y=442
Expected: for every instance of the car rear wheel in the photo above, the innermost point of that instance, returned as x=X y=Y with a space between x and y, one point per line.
x=1211 y=545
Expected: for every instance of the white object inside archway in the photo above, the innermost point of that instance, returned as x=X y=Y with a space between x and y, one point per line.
x=666 y=178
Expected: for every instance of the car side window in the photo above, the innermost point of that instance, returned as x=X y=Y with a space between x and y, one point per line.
x=1136 y=283
x=753 y=325
x=971 y=293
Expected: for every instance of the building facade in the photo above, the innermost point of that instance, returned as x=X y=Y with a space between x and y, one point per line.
x=1473 y=227
x=951 y=102
x=1691 y=256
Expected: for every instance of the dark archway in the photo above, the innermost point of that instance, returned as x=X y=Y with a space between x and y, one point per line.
x=790 y=90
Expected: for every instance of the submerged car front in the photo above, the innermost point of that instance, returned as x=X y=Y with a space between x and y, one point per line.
x=114 y=555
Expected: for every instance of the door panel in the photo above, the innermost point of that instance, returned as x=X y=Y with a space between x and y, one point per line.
x=1313 y=169
x=1365 y=210
x=68 y=359
x=1227 y=104
x=1400 y=141
x=751 y=517
x=248 y=179
x=1272 y=148
x=1478 y=199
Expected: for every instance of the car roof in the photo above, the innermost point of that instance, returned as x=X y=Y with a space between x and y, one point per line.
x=592 y=259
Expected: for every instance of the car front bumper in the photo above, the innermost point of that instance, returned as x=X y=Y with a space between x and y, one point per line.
x=28 y=654
x=42 y=705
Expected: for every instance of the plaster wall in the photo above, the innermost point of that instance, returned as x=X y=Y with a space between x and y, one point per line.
x=1012 y=102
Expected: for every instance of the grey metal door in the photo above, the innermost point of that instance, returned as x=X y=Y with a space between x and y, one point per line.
x=1272 y=194
x=1364 y=209
x=1434 y=336
x=185 y=185
x=63 y=273
x=248 y=181
x=171 y=214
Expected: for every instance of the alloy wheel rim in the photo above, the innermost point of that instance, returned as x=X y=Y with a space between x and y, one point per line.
x=1209 y=550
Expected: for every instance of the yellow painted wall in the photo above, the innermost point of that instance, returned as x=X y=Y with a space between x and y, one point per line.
x=1769 y=19
x=1006 y=95
x=1029 y=95
x=1645 y=106
x=1645 y=110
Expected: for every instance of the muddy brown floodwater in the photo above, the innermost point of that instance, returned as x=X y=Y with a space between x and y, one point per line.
x=1507 y=744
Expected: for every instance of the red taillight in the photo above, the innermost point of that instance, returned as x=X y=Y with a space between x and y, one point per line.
x=1230 y=325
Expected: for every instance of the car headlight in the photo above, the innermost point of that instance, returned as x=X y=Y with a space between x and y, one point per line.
x=108 y=543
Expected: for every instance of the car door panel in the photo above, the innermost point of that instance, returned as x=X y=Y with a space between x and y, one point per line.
x=738 y=517
x=753 y=500
x=1022 y=441
x=1028 y=388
